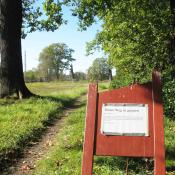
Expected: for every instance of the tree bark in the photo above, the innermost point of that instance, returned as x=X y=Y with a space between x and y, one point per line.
x=11 y=69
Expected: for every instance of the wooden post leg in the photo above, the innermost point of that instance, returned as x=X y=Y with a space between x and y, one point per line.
x=88 y=149
x=159 y=150
x=158 y=124
x=159 y=166
x=87 y=168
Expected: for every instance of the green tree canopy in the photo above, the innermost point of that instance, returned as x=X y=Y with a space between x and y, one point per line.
x=31 y=75
x=80 y=76
x=54 y=59
x=136 y=35
x=41 y=15
x=99 y=70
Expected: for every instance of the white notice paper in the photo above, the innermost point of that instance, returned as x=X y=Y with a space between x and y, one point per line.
x=125 y=119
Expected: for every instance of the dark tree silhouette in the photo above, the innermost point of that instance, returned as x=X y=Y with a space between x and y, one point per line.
x=11 y=71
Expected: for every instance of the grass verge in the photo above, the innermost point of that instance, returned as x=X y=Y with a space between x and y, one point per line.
x=21 y=120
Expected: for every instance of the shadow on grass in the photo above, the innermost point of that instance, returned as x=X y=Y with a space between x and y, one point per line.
x=66 y=101
x=8 y=101
x=170 y=153
x=170 y=156
x=135 y=165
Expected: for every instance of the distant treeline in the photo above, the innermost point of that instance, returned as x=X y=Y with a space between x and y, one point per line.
x=35 y=75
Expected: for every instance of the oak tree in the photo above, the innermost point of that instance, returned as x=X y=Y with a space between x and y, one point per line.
x=99 y=70
x=17 y=18
x=54 y=59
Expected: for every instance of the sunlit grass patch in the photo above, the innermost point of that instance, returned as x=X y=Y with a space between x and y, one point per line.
x=65 y=157
x=52 y=88
x=20 y=120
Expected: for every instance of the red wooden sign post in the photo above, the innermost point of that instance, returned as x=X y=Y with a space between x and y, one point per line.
x=96 y=143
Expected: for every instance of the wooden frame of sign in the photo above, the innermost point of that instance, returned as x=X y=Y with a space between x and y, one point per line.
x=100 y=144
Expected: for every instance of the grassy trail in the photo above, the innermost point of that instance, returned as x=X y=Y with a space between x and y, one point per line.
x=22 y=121
x=36 y=150
x=62 y=155
x=66 y=156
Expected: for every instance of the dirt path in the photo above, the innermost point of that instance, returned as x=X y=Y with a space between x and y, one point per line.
x=35 y=150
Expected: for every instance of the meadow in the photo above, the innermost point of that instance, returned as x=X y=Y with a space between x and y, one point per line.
x=22 y=121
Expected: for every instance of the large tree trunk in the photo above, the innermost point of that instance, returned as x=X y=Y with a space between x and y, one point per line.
x=11 y=70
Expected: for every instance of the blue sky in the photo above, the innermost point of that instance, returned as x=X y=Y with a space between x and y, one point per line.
x=68 y=34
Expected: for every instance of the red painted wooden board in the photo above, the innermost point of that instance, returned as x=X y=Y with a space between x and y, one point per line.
x=126 y=145
x=99 y=144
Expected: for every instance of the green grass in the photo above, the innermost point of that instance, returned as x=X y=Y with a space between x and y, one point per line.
x=170 y=142
x=65 y=157
x=56 y=88
x=104 y=85
x=20 y=120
